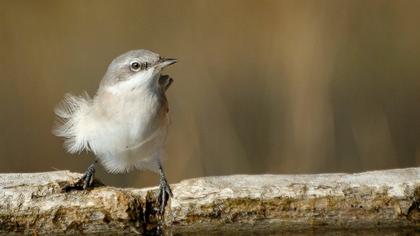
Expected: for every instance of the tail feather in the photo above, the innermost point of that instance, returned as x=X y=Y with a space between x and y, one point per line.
x=71 y=113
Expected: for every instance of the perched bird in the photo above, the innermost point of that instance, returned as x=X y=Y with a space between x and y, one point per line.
x=126 y=123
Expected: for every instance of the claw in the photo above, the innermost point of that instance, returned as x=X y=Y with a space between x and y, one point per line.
x=88 y=176
x=165 y=193
x=85 y=181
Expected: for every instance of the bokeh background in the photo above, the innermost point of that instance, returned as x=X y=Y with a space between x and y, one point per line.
x=260 y=87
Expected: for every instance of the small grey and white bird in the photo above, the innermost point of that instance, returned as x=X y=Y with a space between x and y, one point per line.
x=126 y=123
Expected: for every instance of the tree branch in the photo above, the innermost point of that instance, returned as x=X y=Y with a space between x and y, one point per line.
x=41 y=203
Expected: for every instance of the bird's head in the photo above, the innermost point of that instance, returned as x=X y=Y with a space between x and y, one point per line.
x=134 y=70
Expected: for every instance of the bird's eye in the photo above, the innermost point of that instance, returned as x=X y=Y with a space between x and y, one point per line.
x=135 y=66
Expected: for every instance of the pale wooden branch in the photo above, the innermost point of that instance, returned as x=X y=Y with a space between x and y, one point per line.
x=40 y=203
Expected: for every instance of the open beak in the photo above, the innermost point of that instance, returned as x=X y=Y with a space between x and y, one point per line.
x=164 y=62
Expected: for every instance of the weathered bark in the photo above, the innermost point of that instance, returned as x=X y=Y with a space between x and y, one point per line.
x=40 y=203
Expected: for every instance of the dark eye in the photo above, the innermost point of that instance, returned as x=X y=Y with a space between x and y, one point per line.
x=135 y=66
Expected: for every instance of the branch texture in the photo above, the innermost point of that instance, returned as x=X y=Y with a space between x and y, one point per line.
x=43 y=203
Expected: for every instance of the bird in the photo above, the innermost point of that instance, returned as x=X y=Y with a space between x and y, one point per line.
x=125 y=124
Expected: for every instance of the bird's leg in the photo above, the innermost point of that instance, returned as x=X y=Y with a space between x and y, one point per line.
x=88 y=176
x=165 y=191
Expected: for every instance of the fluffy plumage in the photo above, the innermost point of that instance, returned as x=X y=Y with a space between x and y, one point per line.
x=125 y=123
x=72 y=113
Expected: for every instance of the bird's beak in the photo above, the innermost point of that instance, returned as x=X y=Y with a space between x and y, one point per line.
x=164 y=62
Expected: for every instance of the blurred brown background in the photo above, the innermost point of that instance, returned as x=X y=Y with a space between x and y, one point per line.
x=260 y=87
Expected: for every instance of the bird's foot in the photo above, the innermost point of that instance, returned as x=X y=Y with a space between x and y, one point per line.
x=165 y=193
x=88 y=177
x=86 y=181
